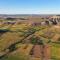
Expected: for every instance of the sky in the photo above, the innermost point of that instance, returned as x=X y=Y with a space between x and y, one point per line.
x=29 y=6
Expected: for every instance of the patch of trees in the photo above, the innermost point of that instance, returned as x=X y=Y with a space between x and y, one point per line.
x=12 y=48
x=3 y=30
x=22 y=18
x=9 y=18
x=36 y=41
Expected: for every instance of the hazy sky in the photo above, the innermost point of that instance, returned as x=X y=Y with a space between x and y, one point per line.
x=29 y=6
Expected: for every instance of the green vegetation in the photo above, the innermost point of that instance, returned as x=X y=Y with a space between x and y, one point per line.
x=16 y=57
x=55 y=51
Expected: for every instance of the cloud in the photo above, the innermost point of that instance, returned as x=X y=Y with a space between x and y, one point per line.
x=28 y=11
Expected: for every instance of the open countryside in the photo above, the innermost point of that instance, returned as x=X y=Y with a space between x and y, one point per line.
x=30 y=37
